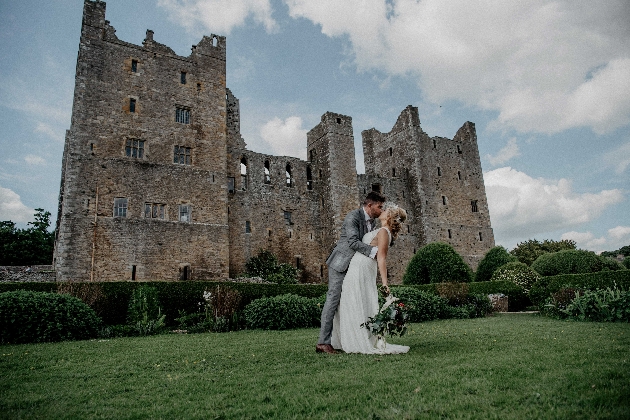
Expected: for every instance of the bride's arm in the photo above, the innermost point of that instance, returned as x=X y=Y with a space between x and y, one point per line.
x=382 y=240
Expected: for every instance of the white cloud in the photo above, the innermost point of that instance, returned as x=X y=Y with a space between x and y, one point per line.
x=12 y=208
x=543 y=66
x=219 y=16
x=286 y=138
x=522 y=207
x=619 y=158
x=616 y=238
x=508 y=152
x=34 y=160
x=55 y=133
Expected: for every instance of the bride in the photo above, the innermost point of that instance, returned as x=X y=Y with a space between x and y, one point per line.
x=359 y=296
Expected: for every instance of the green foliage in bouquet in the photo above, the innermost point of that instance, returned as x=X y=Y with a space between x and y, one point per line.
x=576 y=261
x=283 y=312
x=391 y=319
x=437 y=263
x=517 y=273
x=33 y=317
x=495 y=258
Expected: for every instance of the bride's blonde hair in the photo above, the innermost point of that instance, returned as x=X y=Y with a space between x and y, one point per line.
x=396 y=217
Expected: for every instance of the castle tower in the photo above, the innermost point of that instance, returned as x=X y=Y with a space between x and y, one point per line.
x=443 y=180
x=330 y=149
x=144 y=186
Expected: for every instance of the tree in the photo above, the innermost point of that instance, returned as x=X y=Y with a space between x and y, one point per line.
x=31 y=246
x=527 y=252
x=493 y=259
x=437 y=263
x=624 y=250
x=573 y=261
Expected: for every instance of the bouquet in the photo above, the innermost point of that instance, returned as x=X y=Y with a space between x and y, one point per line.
x=391 y=319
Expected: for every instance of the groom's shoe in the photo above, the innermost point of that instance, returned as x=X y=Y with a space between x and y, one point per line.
x=325 y=348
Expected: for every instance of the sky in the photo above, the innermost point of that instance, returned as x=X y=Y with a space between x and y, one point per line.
x=547 y=84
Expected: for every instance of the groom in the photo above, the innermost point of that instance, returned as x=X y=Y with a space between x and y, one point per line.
x=356 y=224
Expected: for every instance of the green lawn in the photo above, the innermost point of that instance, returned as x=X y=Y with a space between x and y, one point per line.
x=511 y=366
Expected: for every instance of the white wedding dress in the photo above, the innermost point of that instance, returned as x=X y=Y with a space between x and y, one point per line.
x=359 y=301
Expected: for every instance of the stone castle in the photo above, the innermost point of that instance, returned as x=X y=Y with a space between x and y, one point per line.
x=157 y=182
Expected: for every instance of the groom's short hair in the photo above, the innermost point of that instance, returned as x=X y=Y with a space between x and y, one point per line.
x=374 y=197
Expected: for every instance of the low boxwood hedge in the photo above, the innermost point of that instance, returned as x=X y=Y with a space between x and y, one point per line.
x=546 y=286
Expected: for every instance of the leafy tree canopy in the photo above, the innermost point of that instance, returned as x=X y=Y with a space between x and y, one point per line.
x=527 y=252
x=31 y=246
x=624 y=250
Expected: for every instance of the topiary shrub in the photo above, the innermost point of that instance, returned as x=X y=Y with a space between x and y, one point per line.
x=573 y=261
x=282 y=312
x=421 y=306
x=267 y=266
x=437 y=263
x=495 y=258
x=33 y=317
x=518 y=273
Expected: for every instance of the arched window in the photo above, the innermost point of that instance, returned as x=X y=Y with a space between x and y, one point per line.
x=289 y=176
x=267 y=173
x=244 y=173
x=309 y=178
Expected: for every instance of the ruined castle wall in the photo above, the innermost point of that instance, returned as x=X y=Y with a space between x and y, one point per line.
x=128 y=93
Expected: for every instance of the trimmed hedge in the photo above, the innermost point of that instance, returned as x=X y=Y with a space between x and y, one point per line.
x=283 y=312
x=437 y=262
x=495 y=258
x=573 y=261
x=546 y=286
x=176 y=296
x=518 y=273
x=33 y=317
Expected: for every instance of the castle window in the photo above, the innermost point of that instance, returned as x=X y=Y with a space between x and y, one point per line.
x=390 y=151
x=450 y=235
x=321 y=270
x=267 y=173
x=120 y=207
x=393 y=172
x=439 y=171
x=134 y=66
x=248 y=227
x=182 y=78
x=459 y=149
x=320 y=174
x=181 y=155
x=309 y=178
x=184 y=213
x=133 y=272
x=434 y=144
x=459 y=175
x=480 y=237
x=244 y=173
x=154 y=211
x=444 y=199
x=289 y=176
x=297 y=262
x=215 y=41
x=198 y=87
x=132 y=105
x=408 y=229
x=182 y=115
x=134 y=148
x=376 y=187
x=473 y=205
x=184 y=272
x=313 y=153
x=287 y=218
x=338 y=120
x=230 y=184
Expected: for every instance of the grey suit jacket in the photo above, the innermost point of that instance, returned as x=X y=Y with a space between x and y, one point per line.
x=352 y=231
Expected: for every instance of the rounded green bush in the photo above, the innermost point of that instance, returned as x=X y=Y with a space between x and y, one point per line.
x=518 y=273
x=422 y=306
x=495 y=258
x=626 y=262
x=437 y=263
x=33 y=317
x=282 y=312
x=571 y=261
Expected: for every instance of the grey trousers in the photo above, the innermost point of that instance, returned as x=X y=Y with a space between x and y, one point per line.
x=335 y=280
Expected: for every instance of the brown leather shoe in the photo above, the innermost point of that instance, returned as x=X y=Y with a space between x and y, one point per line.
x=325 y=348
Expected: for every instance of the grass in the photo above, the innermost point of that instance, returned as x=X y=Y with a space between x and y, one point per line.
x=511 y=366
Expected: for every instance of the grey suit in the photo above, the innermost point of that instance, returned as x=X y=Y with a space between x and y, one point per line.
x=352 y=231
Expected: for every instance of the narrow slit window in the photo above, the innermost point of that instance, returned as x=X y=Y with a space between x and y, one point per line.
x=390 y=151
x=434 y=144
x=480 y=237
x=267 y=173
x=289 y=176
x=309 y=178
x=459 y=149
x=393 y=172
x=248 y=227
x=287 y=218
x=450 y=235
x=182 y=78
x=134 y=66
x=444 y=199
x=133 y=272
x=244 y=173
x=230 y=184
x=439 y=171
x=459 y=175
x=473 y=205
x=132 y=105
